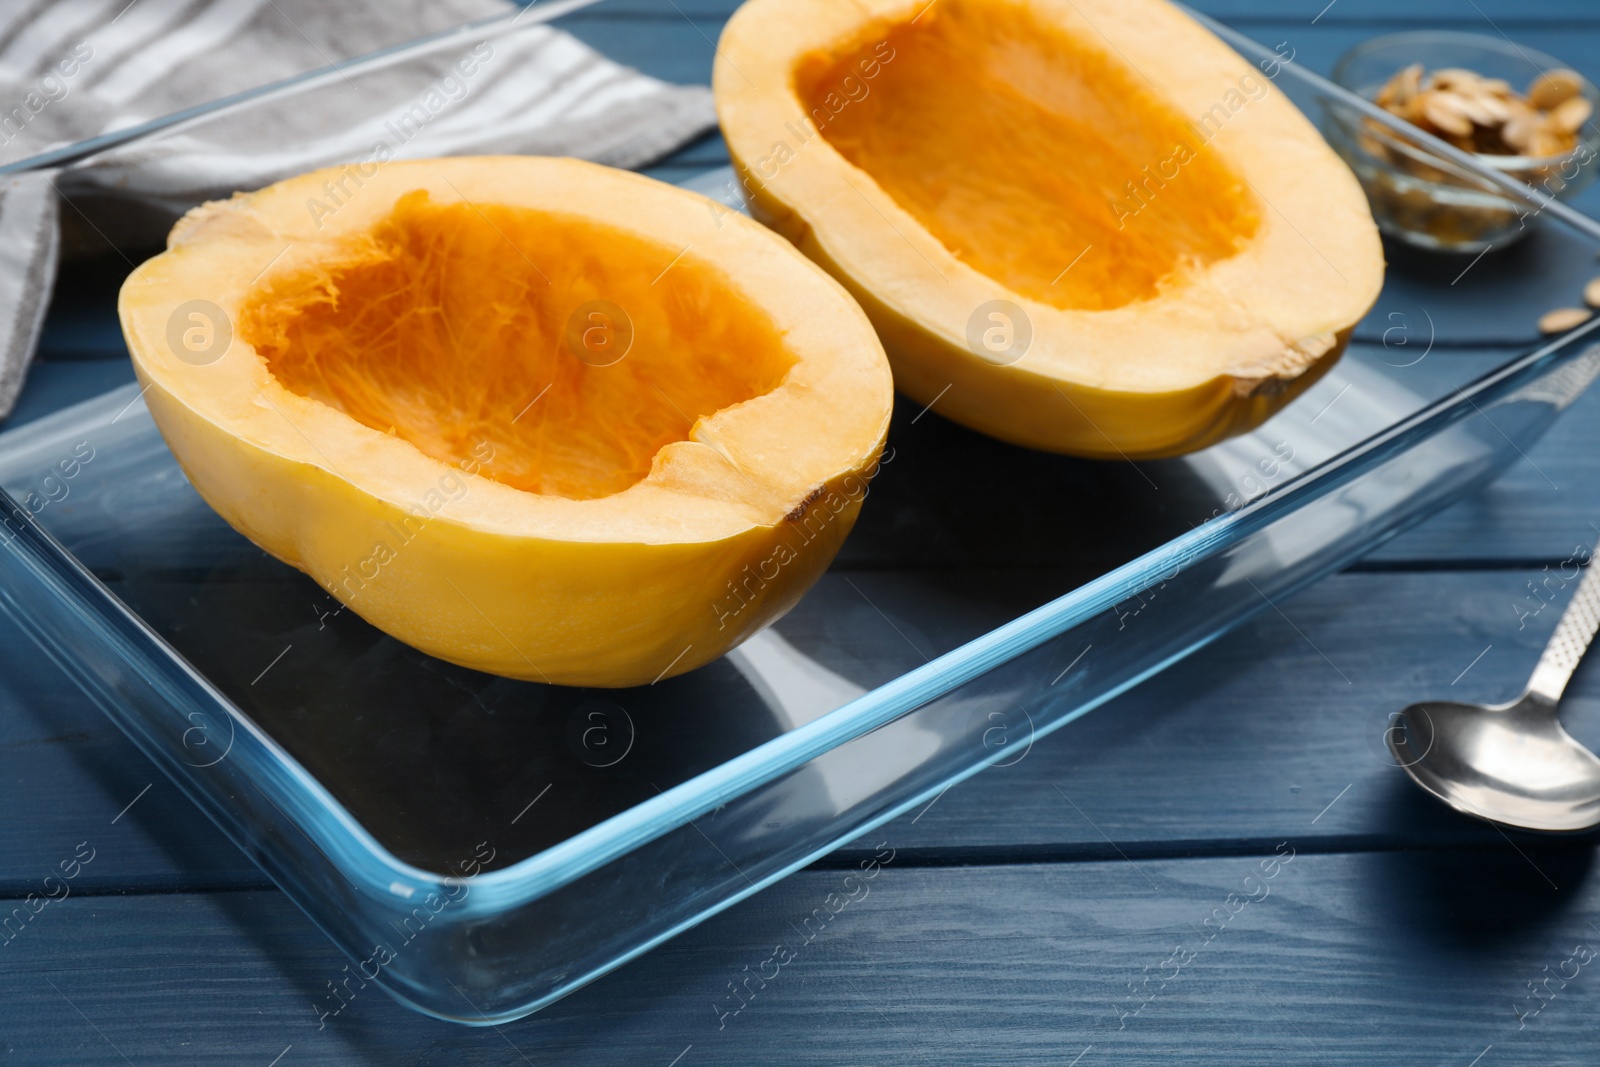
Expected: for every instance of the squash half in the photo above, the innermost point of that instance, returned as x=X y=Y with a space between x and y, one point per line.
x=1085 y=226
x=535 y=417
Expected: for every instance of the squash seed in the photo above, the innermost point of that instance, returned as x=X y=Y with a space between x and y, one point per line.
x=1454 y=78
x=1444 y=110
x=1498 y=110
x=1547 y=142
x=1482 y=110
x=1518 y=131
x=1401 y=89
x=1591 y=293
x=1553 y=87
x=1563 y=319
x=1485 y=115
x=1571 y=114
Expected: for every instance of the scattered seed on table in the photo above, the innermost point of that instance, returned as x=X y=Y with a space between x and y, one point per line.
x=1563 y=319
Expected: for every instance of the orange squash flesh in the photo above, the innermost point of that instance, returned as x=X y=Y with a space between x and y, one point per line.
x=1059 y=145
x=442 y=330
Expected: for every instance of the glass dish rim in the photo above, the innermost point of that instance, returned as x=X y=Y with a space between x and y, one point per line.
x=372 y=868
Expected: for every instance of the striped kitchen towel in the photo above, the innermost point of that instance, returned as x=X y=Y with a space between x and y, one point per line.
x=73 y=69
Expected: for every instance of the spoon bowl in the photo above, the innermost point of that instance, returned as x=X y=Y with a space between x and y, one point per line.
x=1507 y=763
x=1512 y=763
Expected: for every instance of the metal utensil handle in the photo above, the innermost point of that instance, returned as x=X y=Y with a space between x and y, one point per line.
x=1571 y=640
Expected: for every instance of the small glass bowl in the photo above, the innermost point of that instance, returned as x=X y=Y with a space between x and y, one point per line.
x=1422 y=199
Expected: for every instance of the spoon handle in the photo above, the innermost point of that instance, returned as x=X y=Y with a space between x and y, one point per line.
x=1571 y=640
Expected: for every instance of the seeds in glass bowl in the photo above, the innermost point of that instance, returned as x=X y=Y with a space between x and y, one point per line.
x=1478 y=114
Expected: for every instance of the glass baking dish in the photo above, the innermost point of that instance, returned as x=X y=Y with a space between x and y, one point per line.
x=480 y=847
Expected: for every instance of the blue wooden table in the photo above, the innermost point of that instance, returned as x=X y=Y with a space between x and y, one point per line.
x=1221 y=867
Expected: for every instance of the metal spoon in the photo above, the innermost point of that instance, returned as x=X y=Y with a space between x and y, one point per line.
x=1512 y=763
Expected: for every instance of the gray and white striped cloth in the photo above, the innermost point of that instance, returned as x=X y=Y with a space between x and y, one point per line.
x=73 y=69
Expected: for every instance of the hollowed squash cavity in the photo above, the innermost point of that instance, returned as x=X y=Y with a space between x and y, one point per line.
x=1023 y=149
x=448 y=326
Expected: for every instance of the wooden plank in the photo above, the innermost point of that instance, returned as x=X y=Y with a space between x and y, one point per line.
x=1248 y=740
x=1005 y=965
x=52 y=386
x=1280 y=723
x=1535 y=514
x=705 y=152
x=67 y=775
